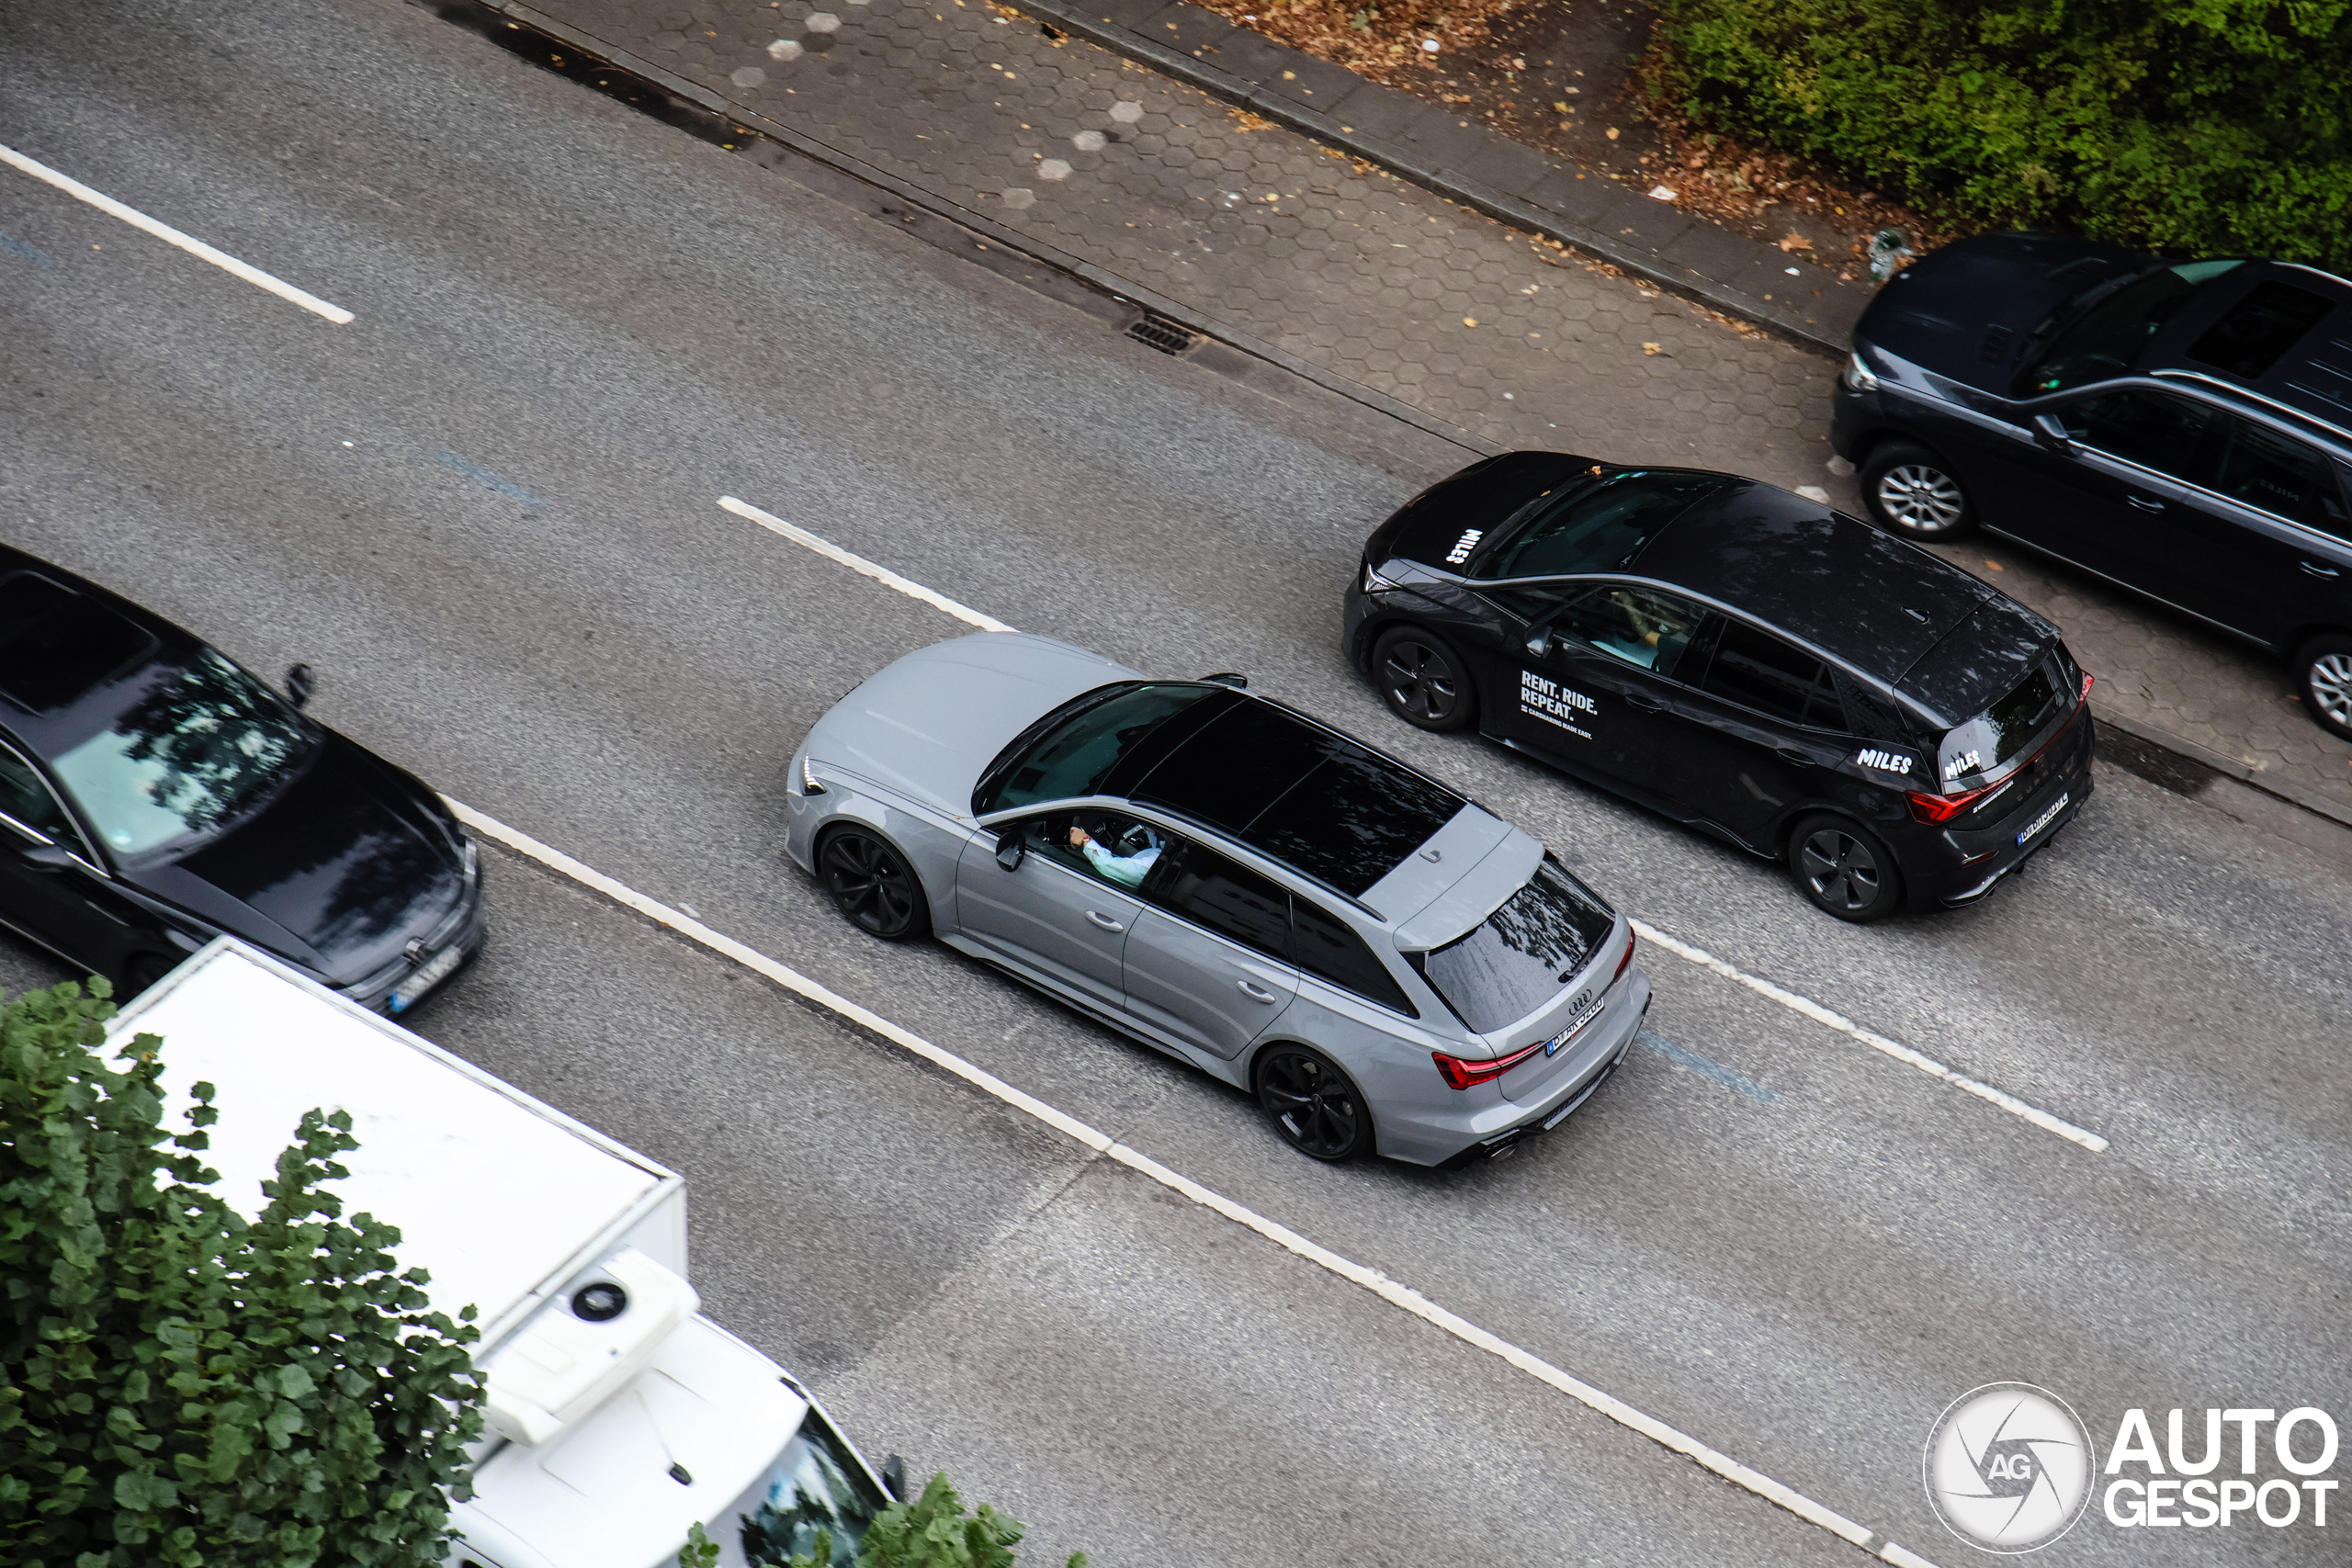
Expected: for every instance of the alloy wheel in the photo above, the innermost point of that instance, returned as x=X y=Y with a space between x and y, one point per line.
x=2330 y=679
x=870 y=885
x=1313 y=1102
x=1839 y=870
x=1421 y=683
x=1922 y=499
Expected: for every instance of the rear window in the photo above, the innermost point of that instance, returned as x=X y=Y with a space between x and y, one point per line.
x=1518 y=958
x=2007 y=729
x=2259 y=328
x=55 y=644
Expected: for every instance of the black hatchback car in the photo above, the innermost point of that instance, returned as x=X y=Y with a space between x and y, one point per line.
x=1739 y=658
x=2182 y=429
x=154 y=796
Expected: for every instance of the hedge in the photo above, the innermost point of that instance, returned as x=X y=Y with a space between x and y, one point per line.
x=2220 y=126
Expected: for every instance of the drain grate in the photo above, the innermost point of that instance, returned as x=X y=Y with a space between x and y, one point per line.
x=1159 y=333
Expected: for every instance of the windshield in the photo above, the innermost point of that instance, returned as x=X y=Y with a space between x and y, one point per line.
x=1068 y=753
x=1599 y=526
x=180 y=761
x=2106 y=340
x=817 y=1483
x=1517 y=960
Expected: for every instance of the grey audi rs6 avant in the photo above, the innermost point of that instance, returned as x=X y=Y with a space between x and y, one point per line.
x=1385 y=966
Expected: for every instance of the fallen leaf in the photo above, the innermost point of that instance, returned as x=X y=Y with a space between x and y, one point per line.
x=1469 y=321
x=1610 y=133
x=1996 y=565
x=1795 y=242
x=1652 y=348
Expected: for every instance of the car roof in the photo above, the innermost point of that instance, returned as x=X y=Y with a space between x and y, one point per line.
x=1868 y=601
x=2310 y=376
x=1292 y=789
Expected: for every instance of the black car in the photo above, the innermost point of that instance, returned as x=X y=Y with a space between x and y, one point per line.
x=1737 y=657
x=154 y=796
x=2182 y=429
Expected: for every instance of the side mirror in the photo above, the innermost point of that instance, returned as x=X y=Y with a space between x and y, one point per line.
x=894 y=1477
x=300 y=683
x=1009 y=850
x=1539 y=639
x=2049 y=434
x=50 y=857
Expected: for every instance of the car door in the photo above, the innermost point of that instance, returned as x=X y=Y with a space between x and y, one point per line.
x=1208 y=965
x=51 y=888
x=2110 y=501
x=2265 y=544
x=1759 y=723
x=1054 y=912
x=1589 y=686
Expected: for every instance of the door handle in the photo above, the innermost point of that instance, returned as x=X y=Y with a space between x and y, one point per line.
x=2318 y=570
x=2145 y=504
x=1793 y=757
x=1256 y=992
x=1106 y=921
x=1646 y=704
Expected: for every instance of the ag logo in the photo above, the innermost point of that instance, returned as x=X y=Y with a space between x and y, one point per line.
x=2008 y=1467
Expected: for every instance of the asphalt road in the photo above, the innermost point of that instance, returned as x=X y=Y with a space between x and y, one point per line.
x=486 y=510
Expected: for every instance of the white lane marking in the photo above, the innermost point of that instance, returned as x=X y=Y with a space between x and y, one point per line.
x=172 y=236
x=1390 y=1290
x=1787 y=999
x=1876 y=1042
x=881 y=574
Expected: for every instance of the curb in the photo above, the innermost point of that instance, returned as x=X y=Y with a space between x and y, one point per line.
x=2230 y=768
x=1506 y=180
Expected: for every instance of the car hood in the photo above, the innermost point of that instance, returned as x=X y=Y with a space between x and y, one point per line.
x=339 y=871
x=926 y=725
x=1965 y=311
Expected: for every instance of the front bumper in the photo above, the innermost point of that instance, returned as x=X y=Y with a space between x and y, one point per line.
x=436 y=960
x=1854 y=418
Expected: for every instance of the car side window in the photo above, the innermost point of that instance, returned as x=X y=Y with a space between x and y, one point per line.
x=2282 y=476
x=1213 y=891
x=1533 y=604
x=1640 y=626
x=2156 y=431
x=1324 y=945
x=1104 y=845
x=27 y=803
x=1758 y=671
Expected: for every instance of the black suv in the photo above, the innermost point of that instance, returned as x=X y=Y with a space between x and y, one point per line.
x=2182 y=429
x=154 y=796
x=1737 y=657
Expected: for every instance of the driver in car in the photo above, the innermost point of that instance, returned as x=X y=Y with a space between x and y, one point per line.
x=1126 y=870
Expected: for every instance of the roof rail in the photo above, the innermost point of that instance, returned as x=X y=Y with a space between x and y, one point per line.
x=2253 y=397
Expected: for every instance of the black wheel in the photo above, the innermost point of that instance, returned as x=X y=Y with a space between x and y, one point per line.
x=1315 y=1106
x=1423 y=681
x=1844 y=868
x=873 y=885
x=2324 y=676
x=1914 y=492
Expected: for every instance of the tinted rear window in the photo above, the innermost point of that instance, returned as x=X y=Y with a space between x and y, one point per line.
x=55 y=644
x=2006 y=729
x=1517 y=960
x=1068 y=753
x=1301 y=794
x=2259 y=328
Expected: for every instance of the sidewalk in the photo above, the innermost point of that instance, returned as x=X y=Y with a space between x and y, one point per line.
x=1370 y=279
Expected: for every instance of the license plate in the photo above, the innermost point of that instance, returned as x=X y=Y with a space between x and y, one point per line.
x=437 y=969
x=1591 y=1011
x=2046 y=817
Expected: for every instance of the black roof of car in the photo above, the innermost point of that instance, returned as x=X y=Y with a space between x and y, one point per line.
x=73 y=655
x=2279 y=330
x=1872 y=601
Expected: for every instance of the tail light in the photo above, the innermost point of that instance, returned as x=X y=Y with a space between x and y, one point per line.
x=1934 y=809
x=1625 y=963
x=1459 y=1074
x=2084 y=694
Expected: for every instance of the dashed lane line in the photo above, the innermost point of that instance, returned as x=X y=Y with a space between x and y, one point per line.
x=172 y=236
x=1396 y=1293
x=1680 y=949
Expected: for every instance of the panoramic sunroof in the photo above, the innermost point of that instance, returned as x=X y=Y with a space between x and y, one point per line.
x=55 y=644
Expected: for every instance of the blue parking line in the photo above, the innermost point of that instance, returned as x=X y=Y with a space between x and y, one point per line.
x=481 y=475
x=1683 y=1057
x=17 y=247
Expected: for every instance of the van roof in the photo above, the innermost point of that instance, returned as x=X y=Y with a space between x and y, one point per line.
x=495 y=1194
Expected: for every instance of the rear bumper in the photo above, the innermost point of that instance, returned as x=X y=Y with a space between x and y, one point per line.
x=1496 y=1129
x=1944 y=869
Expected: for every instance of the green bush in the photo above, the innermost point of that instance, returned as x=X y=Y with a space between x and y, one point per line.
x=2221 y=127
x=931 y=1531
x=180 y=1387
